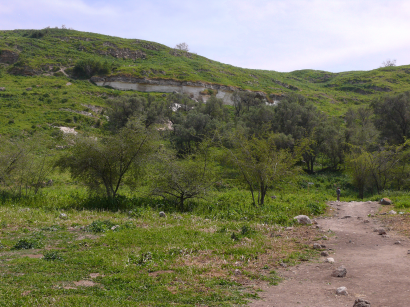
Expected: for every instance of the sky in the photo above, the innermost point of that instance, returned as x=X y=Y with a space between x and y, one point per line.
x=280 y=35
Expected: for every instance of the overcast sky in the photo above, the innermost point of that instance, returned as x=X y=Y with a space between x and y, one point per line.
x=281 y=35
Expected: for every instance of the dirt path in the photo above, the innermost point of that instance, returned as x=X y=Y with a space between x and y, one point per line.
x=378 y=270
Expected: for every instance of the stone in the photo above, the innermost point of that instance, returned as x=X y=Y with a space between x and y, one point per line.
x=162 y=214
x=325 y=238
x=392 y=212
x=341 y=291
x=289 y=228
x=361 y=303
x=397 y=242
x=238 y=272
x=366 y=221
x=381 y=231
x=324 y=254
x=115 y=227
x=318 y=246
x=347 y=217
x=330 y=260
x=29 y=89
x=385 y=201
x=68 y=83
x=340 y=272
x=2 y=89
x=284 y=265
x=63 y=216
x=303 y=219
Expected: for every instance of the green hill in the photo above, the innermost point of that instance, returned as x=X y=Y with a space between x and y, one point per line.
x=54 y=52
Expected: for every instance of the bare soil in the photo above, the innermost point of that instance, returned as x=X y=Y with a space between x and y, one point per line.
x=378 y=268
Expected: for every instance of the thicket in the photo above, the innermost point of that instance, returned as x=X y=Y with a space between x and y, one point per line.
x=186 y=152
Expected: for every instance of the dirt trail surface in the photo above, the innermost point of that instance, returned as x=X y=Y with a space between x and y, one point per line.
x=378 y=268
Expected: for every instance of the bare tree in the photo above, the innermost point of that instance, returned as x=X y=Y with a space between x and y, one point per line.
x=389 y=63
x=182 y=47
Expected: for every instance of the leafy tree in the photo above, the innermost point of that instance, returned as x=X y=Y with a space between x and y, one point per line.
x=150 y=111
x=243 y=101
x=110 y=162
x=261 y=164
x=359 y=165
x=187 y=178
x=25 y=163
x=393 y=117
x=360 y=129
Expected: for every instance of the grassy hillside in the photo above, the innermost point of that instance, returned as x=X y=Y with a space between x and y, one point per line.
x=46 y=52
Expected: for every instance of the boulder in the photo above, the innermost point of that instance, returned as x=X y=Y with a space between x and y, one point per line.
x=385 y=201
x=2 y=89
x=303 y=219
x=361 y=303
x=324 y=254
x=330 y=260
x=392 y=212
x=63 y=216
x=339 y=272
x=341 y=291
x=162 y=214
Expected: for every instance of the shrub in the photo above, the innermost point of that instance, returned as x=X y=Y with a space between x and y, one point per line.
x=28 y=243
x=90 y=67
x=52 y=255
x=99 y=226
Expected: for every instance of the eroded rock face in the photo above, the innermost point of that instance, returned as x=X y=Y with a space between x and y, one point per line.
x=8 y=57
x=24 y=71
x=194 y=89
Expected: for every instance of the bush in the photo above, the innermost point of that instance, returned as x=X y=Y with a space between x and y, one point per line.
x=90 y=67
x=52 y=255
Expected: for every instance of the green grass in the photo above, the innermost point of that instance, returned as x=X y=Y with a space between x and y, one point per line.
x=187 y=258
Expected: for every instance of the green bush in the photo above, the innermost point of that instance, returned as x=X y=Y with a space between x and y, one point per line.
x=90 y=67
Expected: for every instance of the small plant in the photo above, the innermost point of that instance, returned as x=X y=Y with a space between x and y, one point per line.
x=141 y=260
x=28 y=243
x=52 y=255
x=99 y=226
x=234 y=237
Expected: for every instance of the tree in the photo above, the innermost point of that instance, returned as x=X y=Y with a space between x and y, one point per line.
x=25 y=164
x=261 y=164
x=389 y=63
x=186 y=178
x=243 y=100
x=182 y=47
x=149 y=111
x=108 y=163
x=393 y=117
x=358 y=165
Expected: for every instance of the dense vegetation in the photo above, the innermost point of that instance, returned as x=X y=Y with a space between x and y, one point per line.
x=227 y=177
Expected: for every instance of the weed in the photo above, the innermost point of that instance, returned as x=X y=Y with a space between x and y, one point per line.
x=28 y=243
x=52 y=255
x=99 y=226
